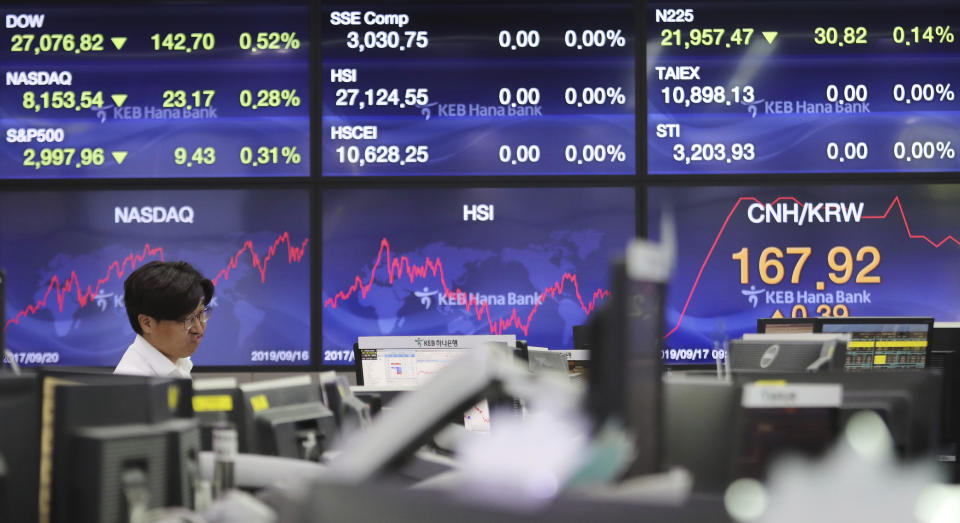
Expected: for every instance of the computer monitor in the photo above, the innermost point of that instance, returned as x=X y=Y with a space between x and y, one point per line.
x=107 y=431
x=786 y=325
x=908 y=400
x=544 y=361
x=407 y=362
x=626 y=367
x=214 y=401
x=883 y=342
x=19 y=445
x=813 y=352
x=698 y=422
x=286 y=417
x=351 y=412
x=116 y=471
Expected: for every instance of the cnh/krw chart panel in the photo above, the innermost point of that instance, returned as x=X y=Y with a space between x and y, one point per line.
x=758 y=252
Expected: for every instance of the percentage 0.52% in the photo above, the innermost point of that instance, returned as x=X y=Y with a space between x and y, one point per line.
x=269 y=41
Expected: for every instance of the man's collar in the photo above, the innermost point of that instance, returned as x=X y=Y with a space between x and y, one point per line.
x=159 y=363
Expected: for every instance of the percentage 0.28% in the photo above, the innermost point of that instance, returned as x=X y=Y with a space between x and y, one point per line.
x=269 y=98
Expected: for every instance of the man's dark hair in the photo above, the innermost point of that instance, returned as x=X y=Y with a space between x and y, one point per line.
x=165 y=291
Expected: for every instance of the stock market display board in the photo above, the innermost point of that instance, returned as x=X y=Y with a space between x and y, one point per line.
x=472 y=167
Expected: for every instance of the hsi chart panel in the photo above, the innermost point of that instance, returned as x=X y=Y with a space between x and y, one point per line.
x=526 y=261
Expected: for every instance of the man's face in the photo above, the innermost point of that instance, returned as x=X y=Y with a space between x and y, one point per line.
x=172 y=338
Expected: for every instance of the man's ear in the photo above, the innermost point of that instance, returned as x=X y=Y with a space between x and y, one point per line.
x=147 y=323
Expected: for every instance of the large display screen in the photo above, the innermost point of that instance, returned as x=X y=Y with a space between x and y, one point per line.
x=786 y=251
x=491 y=88
x=67 y=255
x=529 y=262
x=155 y=91
x=801 y=87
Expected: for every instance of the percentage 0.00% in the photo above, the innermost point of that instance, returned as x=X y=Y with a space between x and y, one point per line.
x=521 y=154
x=923 y=93
x=924 y=150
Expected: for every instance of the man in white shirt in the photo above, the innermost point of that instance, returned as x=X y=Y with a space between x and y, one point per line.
x=168 y=307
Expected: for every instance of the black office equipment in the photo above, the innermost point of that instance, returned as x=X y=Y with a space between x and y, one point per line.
x=216 y=400
x=351 y=412
x=698 y=435
x=114 y=443
x=625 y=378
x=286 y=417
x=302 y=430
x=19 y=446
x=788 y=353
x=787 y=325
x=878 y=343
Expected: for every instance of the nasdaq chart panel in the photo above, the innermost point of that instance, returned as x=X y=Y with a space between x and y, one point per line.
x=749 y=252
x=155 y=90
x=478 y=88
x=526 y=261
x=68 y=254
x=784 y=88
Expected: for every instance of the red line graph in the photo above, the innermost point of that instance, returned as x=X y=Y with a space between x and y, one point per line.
x=895 y=203
x=398 y=267
x=118 y=268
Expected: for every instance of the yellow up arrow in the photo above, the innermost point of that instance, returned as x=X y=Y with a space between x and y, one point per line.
x=770 y=36
x=777 y=314
x=119 y=99
x=118 y=41
x=119 y=156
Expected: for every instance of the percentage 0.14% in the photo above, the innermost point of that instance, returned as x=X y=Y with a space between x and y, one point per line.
x=931 y=34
